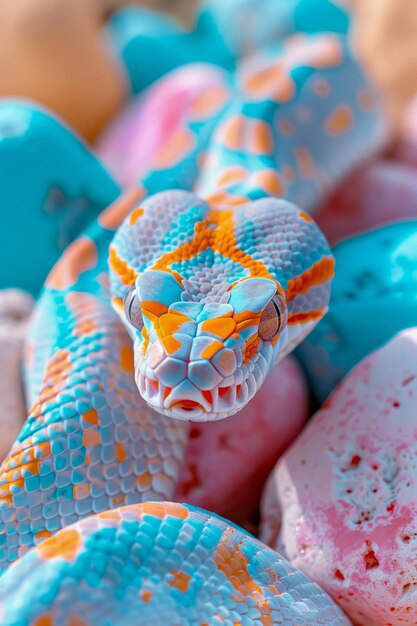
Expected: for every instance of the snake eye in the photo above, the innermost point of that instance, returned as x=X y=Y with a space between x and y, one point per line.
x=273 y=318
x=132 y=308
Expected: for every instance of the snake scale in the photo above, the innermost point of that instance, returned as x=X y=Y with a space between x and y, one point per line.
x=213 y=270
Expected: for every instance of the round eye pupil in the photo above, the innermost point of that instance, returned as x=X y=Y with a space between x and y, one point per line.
x=132 y=308
x=272 y=319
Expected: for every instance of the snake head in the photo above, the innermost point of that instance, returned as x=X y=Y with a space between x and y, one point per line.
x=202 y=361
x=214 y=297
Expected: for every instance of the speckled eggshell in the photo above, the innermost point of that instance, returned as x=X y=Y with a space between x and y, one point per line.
x=133 y=140
x=374 y=296
x=15 y=309
x=227 y=462
x=347 y=491
x=407 y=145
x=376 y=195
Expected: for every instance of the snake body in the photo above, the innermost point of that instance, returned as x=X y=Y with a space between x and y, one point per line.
x=213 y=292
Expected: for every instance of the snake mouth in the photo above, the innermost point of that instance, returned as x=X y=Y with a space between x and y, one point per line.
x=214 y=404
x=187 y=409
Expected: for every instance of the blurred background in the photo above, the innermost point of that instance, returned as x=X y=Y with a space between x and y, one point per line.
x=55 y=52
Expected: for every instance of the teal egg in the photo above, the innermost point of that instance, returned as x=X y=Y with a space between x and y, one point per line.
x=51 y=188
x=374 y=296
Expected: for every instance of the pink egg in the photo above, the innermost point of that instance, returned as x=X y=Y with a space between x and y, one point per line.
x=407 y=146
x=346 y=491
x=380 y=193
x=131 y=143
x=227 y=462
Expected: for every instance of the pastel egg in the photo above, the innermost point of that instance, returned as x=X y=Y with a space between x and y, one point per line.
x=381 y=193
x=374 y=296
x=228 y=461
x=341 y=504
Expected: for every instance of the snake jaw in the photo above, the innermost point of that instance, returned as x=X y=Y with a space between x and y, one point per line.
x=185 y=400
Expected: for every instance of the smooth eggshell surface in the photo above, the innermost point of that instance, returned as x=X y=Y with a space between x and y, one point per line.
x=376 y=195
x=374 y=296
x=227 y=462
x=347 y=491
x=57 y=54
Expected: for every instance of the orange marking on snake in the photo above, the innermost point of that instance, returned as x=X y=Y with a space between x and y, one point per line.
x=224 y=199
x=302 y=318
x=317 y=274
x=119 y=500
x=272 y=82
x=231 y=175
x=144 y=480
x=171 y=345
x=269 y=181
x=340 y=121
x=223 y=327
x=180 y=580
x=178 y=146
x=251 y=348
x=212 y=349
x=135 y=215
x=85 y=328
x=208 y=103
x=64 y=545
x=215 y=232
x=126 y=359
x=113 y=216
x=126 y=274
x=81 y=491
x=320 y=53
x=305 y=216
x=153 y=308
x=120 y=453
x=91 y=416
x=261 y=139
x=145 y=595
x=231 y=561
x=42 y=534
x=78 y=258
x=171 y=323
x=231 y=132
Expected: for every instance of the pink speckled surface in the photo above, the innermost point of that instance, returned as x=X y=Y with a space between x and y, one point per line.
x=227 y=462
x=347 y=491
x=133 y=140
x=380 y=193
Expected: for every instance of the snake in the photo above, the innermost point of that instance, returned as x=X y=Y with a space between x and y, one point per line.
x=173 y=306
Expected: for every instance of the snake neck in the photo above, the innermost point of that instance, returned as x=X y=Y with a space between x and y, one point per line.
x=295 y=126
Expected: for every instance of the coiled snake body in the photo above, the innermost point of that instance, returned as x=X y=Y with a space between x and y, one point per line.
x=212 y=292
